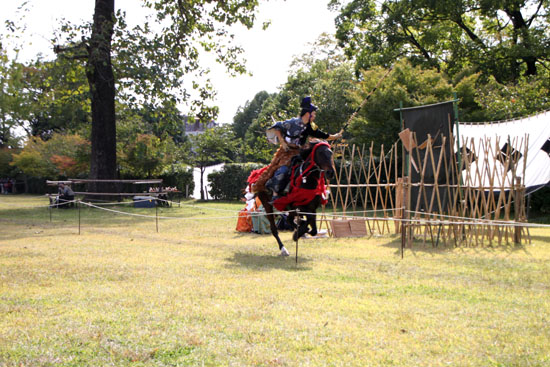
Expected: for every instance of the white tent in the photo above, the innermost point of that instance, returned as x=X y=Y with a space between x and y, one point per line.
x=535 y=130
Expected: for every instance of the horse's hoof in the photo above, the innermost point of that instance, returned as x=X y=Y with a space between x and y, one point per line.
x=284 y=252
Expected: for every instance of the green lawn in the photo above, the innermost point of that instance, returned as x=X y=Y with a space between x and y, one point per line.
x=199 y=294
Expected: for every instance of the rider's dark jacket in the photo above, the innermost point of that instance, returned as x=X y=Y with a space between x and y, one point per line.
x=295 y=131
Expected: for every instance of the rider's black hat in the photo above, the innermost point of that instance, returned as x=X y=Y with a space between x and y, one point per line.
x=307 y=106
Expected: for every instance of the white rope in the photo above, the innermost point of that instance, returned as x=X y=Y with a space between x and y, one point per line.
x=180 y=218
x=122 y=202
x=68 y=202
x=38 y=206
x=462 y=220
x=151 y=216
x=440 y=222
x=196 y=206
x=369 y=211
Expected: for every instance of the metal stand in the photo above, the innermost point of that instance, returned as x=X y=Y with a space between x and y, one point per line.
x=298 y=220
x=78 y=206
x=157 y=215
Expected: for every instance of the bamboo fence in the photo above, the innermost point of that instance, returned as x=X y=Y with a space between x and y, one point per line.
x=474 y=197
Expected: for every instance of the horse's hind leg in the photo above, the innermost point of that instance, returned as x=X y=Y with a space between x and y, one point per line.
x=274 y=230
x=264 y=198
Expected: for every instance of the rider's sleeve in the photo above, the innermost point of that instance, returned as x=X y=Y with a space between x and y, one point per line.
x=271 y=135
x=317 y=133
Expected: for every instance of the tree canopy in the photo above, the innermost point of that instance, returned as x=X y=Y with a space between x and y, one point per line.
x=503 y=39
x=151 y=60
x=214 y=146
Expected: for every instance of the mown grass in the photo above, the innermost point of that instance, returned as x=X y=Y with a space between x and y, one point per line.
x=198 y=293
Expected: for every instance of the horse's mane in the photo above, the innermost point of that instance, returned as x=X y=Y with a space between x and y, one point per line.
x=305 y=152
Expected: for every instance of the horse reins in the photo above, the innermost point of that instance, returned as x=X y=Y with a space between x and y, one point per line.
x=310 y=168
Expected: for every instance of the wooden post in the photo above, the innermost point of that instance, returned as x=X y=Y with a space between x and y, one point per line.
x=404 y=215
x=518 y=200
x=398 y=211
x=157 y=215
x=407 y=184
x=298 y=222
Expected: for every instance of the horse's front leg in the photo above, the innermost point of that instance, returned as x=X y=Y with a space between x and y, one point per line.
x=312 y=222
x=302 y=227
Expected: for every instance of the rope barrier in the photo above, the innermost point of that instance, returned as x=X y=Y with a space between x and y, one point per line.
x=195 y=206
x=418 y=221
x=461 y=218
x=258 y=214
x=468 y=221
x=38 y=206
x=121 y=202
x=150 y=216
x=68 y=202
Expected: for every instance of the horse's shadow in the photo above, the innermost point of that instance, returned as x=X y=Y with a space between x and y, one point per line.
x=267 y=262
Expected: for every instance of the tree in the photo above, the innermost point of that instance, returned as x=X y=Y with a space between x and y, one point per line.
x=65 y=155
x=413 y=85
x=247 y=114
x=40 y=98
x=499 y=38
x=151 y=65
x=99 y=72
x=146 y=156
x=329 y=81
x=6 y=157
x=58 y=98
x=214 y=146
x=13 y=103
x=528 y=96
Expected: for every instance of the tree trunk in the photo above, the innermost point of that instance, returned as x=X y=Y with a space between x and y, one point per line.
x=102 y=87
x=521 y=29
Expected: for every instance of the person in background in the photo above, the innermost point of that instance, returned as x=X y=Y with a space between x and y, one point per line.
x=66 y=194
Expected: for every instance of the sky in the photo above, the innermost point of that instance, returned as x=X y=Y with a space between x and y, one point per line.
x=294 y=25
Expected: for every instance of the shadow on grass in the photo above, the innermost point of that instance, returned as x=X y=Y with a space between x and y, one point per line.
x=419 y=246
x=39 y=220
x=541 y=238
x=267 y=262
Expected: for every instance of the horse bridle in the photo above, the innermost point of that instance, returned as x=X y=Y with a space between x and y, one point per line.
x=313 y=166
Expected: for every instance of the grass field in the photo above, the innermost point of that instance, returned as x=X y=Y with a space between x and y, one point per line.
x=200 y=294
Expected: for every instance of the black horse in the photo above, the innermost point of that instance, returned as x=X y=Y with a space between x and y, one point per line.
x=308 y=176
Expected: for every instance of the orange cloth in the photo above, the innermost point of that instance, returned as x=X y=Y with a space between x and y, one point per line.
x=244 y=223
x=281 y=158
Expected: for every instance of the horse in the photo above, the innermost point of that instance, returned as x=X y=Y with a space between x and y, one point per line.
x=307 y=192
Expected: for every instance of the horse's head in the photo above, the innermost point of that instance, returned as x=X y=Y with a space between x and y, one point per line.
x=324 y=160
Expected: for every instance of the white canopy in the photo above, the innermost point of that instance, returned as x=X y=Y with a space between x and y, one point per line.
x=536 y=128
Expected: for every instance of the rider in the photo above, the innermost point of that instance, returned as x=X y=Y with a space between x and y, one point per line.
x=291 y=135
